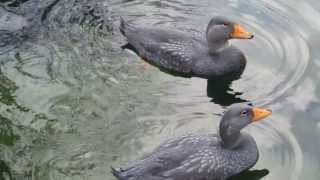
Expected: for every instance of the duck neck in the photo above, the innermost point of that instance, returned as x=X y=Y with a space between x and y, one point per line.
x=217 y=46
x=231 y=138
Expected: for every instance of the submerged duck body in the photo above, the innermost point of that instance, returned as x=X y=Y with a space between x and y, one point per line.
x=202 y=157
x=209 y=56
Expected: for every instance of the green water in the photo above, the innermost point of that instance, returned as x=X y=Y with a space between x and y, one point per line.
x=73 y=103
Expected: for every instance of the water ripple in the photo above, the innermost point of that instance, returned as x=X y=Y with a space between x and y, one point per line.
x=85 y=105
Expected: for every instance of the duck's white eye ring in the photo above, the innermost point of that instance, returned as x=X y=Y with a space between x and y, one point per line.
x=243 y=113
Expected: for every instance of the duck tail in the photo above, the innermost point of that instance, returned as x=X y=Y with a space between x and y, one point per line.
x=116 y=173
x=125 y=26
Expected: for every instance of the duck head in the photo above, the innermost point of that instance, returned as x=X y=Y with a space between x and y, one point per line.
x=220 y=30
x=236 y=118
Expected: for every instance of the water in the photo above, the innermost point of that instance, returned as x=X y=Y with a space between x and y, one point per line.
x=73 y=103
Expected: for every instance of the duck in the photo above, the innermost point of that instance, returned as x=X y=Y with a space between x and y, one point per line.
x=208 y=56
x=202 y=157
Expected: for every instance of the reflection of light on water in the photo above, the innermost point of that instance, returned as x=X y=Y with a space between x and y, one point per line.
x=303 y=95
x=279 y=131
x=279 y=149
x=308 y=13
x=295 y=147
x=282 y=59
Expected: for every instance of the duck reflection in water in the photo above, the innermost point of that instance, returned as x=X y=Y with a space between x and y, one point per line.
x=222 y=94
x=251 y=175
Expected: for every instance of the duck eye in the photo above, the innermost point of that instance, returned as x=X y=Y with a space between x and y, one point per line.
x=244 y=113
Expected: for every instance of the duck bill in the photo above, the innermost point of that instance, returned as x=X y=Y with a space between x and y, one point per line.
x=240 y=33
x=259 y=114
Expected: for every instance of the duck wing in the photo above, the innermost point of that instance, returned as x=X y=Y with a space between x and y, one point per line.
x=171 y=51
x=180 y=159
x=174 y=56
x=201 y=163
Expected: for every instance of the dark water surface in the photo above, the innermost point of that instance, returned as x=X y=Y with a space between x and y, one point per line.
x=72 y=103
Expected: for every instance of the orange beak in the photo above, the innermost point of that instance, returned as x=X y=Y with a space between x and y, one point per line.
x=240 y=33
x=259 y=114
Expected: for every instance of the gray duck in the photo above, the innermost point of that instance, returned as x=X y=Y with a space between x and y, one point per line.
x=208 y=56
x=202 y=157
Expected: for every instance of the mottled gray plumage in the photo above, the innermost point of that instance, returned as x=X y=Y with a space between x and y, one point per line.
x=200 y=157
x=188 y=55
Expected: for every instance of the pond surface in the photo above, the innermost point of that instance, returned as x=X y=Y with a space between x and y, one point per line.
x=72 y=103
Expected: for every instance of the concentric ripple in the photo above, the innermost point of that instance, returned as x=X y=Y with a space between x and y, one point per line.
x=279 y=55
